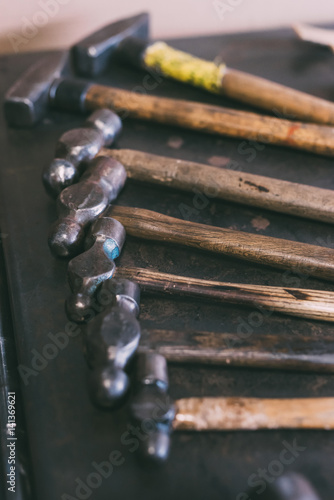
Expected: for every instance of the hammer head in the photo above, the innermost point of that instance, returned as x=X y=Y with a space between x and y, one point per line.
x=289 y=486
x=91 y=55
x=27 y=100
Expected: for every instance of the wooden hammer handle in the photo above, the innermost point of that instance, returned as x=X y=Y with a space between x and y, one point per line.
x=213 y=119
x=216 y=414
x=255 y=190
x=306 y=353
x=299 y=257
x=217 y=78
x=278 y=99
x=304 y=303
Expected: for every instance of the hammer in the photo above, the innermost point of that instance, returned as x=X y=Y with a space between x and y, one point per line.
x=106 y=236
x=80 y=145
x=127 y=39
x=43 y=85
x=157 y=415
x=113 y=336
x=112 y=339
x=104 y=242
x=79 y=204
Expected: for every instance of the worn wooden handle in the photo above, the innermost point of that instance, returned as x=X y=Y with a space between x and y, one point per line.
x=313 y=353
x=213 y=119
x=217 y=414
x=255 y=190
x=299 y=257
x=278 y=99
x=217 y=78
x=312 y=304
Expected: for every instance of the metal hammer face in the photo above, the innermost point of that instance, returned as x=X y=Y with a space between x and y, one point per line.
x=152 y=407
x=91 y=55
x=27 y=100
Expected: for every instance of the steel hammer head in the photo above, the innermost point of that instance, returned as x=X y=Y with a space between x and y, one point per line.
x=91 y=55
x=28 y=99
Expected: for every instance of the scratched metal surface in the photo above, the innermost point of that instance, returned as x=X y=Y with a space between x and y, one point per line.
x=66 y=433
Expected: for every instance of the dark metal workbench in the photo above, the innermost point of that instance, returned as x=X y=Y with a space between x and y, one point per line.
x=66 y=433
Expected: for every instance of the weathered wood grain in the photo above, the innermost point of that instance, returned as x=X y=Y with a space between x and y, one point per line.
x=255 y=190
x=313 y=304
x=283 y=351
x=213 y=119
x=217 y=414
x=311 y=260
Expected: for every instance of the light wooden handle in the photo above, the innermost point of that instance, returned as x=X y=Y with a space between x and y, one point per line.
x=312 y=304
x=255 y=190
x=213 y=119
x=217 y=414
x=278 y=99
x=309 y=259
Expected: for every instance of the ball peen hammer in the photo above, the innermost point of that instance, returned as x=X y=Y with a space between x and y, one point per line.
x=95 y=266
x=76 y=211
x=127 y=40
x=44 y=85
x=153 y=409
x=112 y=339
x=78 y=146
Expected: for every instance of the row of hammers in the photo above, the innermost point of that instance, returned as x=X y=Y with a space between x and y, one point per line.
x=86 y=176
x=87 y=222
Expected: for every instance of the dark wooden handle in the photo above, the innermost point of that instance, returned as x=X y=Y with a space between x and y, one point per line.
x=312 y=304
x=255 y=190
x=278 y=99
x=306 y=353
x=299 y=257
x=213 y=119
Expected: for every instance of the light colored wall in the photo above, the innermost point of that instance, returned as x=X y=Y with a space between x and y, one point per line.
x=27 y=25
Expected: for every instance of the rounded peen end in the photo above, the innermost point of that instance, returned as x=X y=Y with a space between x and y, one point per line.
x=79 y=308
x=66 y=238
x=108 y=386
x=58 y=175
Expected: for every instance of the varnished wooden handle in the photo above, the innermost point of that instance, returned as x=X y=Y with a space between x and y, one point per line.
x=299 y=257
x=213 y=119
x=312 y=304
x=278 y=99
x=255 y=190
x=306 y=353
x=217 y=414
